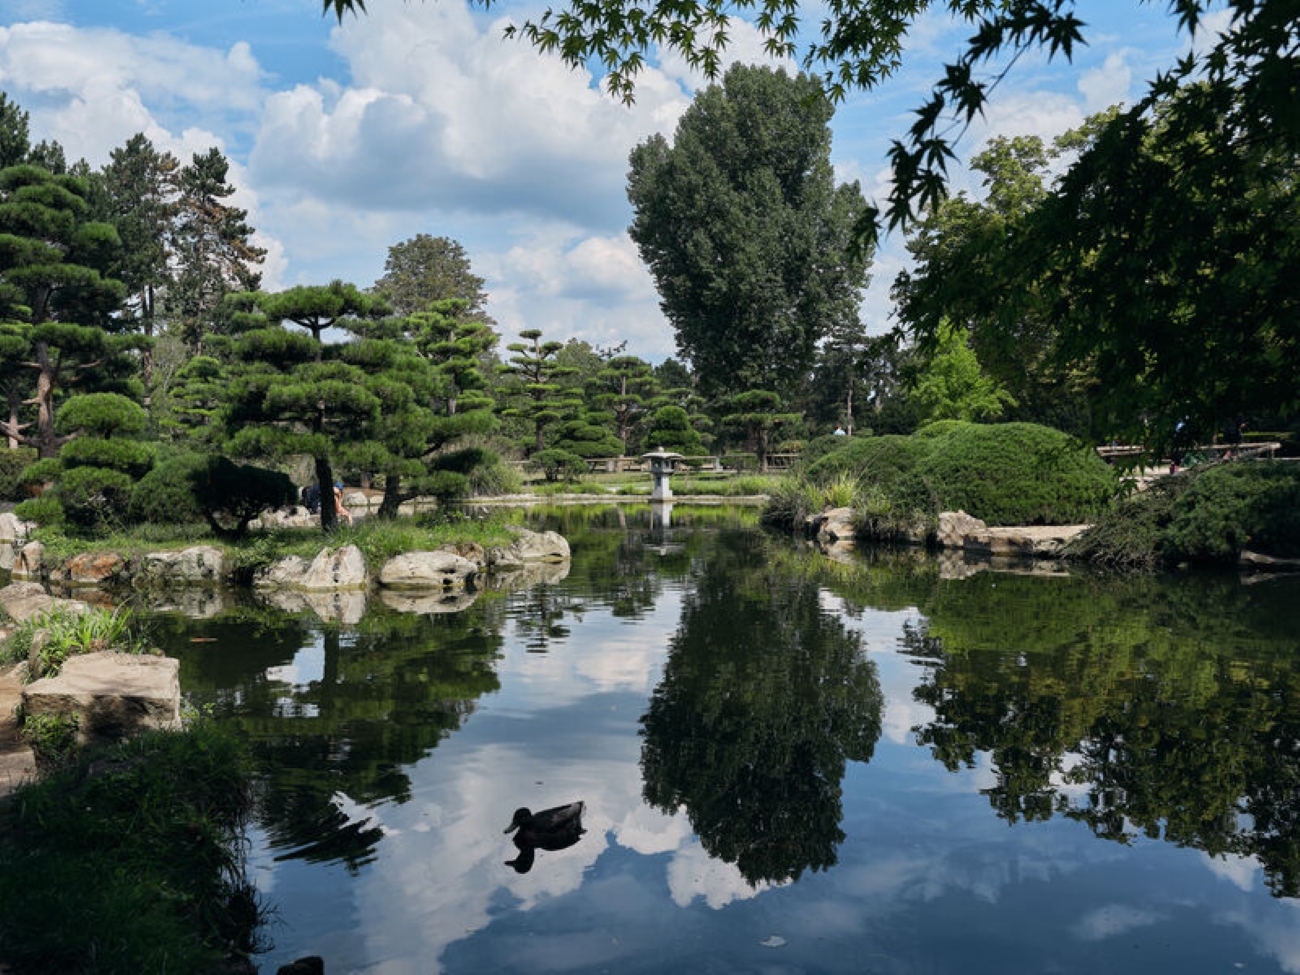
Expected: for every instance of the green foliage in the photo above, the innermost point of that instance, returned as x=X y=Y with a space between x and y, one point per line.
x=1205 y=515
x=165 y=496
x=952 y=386
x=670 y=428
x=94 y=496
x=745 y=232
x=46 y=511
x=424 y=270
x=12 y=464
x=67 y=632
x=52 y=738
x=1235 y=506
x=1007 y=474
x=130 y=860
x=128 y=456
x=558 y=465
x=101 y=415
x=231 y=495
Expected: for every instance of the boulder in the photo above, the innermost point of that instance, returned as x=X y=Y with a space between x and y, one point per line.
x=112 y=695
x=530 y=546
x=23 y=600
x=199 y=565
x=7 y=555
x=90 y=569
x=295 y=516
x=837 y=525
x=344 y=568
x=427 y=570
x=285 y=573
x=30 y=561
x=13 y=529
x=960 y=530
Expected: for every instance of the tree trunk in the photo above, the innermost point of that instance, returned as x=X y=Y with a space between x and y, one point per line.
x=15 y=405
x=392 y=496
x=47 y=444
x=329 y=519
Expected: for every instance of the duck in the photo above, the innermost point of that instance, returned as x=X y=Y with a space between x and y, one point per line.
x=558 y=822
x=551 y=829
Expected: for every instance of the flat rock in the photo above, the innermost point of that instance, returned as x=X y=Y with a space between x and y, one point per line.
x=427 y=570
x=23 y=600
x=112 y=695
x=530 y=546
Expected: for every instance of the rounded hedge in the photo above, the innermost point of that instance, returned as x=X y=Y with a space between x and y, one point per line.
x=12 y=463
x=166 y=494
x=1004 y=474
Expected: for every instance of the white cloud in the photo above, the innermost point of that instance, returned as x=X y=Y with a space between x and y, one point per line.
x=1108 y=85
x=1112 y=920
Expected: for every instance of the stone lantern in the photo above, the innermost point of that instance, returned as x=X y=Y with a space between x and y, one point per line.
x=661 y=465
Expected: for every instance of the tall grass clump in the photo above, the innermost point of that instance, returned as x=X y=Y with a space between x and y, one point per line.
x=48 y=639
x=131 y=860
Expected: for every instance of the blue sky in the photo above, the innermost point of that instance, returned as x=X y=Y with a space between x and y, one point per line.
x=420 y=118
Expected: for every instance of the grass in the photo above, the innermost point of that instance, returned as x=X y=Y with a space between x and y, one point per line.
x=130 y=860
x=59 y=633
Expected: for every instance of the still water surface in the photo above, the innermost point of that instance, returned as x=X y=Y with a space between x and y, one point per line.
x=789 y=765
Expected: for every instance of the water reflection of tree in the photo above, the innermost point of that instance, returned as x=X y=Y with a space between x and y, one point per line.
x=765 y=696
x=1166 y=707
x=388 y=692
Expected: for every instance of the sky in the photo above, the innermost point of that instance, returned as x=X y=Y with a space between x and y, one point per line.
x=420 y=117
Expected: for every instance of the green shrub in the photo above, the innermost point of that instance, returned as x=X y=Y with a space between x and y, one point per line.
x=1127 y=534
x=231 y=495
x=1005 y=474
x=52 y=738
x=94 y=496
x=12 y=464
x=128 y=456
x=165 y=496
x=39 y=472
x=1015 y=473
x=1230 y=507
x=558 y=465
x=46 y=511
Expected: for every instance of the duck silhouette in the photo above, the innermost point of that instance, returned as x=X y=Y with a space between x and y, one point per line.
x=551 y=829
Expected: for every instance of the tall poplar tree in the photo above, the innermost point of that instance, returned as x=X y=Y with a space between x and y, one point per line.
x=747 y=236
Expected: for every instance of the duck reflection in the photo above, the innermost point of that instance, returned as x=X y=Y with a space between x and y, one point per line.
x=557 y=828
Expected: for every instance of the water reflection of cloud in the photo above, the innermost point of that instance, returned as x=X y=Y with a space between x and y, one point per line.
x=693 y=873
x=1275 y=933
x=1241 y=872
x=1114 y=919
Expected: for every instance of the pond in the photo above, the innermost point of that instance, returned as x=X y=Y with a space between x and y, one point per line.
x=893 y=764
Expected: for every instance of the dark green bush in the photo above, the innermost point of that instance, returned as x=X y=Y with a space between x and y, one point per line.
x=558 y=465
x=46 y=511
x=12 y=463
x=1015 y=473
x=231 y=495
x=94 y=496
x=1234 y=506
x=1005 y=474
x=165 y=496
x=129 y=456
